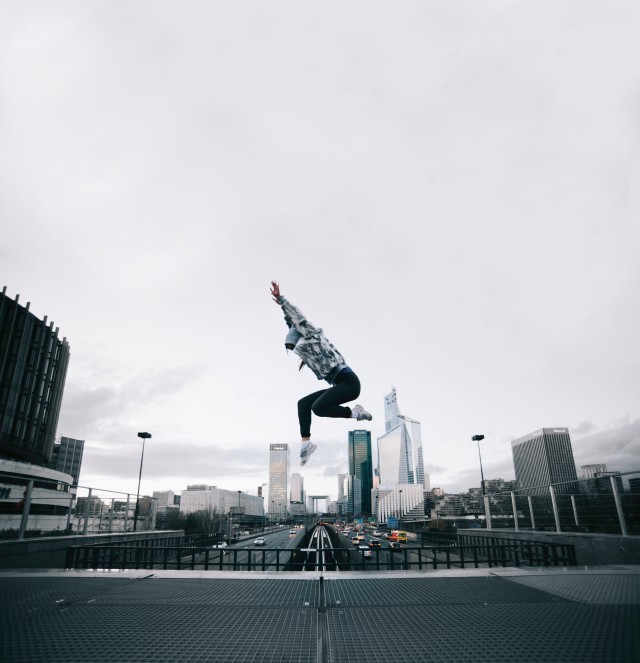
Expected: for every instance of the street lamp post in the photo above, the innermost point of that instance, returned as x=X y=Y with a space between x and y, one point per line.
x=478 y=438
x=144 y=436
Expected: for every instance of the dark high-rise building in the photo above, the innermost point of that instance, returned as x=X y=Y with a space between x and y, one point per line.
x=544 y=458
x=67 y=457
x=360 y=468
x=33 y=368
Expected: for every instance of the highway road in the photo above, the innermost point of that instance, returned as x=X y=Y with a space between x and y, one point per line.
x=245 y=555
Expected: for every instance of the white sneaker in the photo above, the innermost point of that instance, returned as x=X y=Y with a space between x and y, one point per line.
x=360 y=413
x=305 y=453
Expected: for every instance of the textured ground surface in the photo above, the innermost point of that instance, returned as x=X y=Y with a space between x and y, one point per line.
x=506 y=615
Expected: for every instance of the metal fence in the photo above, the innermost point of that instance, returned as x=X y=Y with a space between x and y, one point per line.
x=603 y=504
x=488 y=552
x=43 y=506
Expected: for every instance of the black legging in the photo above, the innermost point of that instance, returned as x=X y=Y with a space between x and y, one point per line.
x=327 y=402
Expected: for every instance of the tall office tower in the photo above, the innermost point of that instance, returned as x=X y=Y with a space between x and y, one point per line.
x=297 y=489
x=543 y=458
x=360 y=467
x=67 y=457
x=400 y=457
x=278 y=480
x=33 y=368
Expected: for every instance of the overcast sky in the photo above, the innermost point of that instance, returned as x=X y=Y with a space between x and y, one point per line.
x=449 y=189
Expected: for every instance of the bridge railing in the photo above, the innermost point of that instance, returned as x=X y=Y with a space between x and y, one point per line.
x=488 y=552
x=608 y=504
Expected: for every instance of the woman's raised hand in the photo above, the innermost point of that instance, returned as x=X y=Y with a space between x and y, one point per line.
x=275 y=290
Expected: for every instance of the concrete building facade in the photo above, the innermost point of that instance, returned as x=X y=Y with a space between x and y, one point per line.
x=201 y=497
x=33 y=369
x=543 y=458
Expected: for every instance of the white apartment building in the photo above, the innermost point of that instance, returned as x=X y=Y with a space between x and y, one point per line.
x=204 y=498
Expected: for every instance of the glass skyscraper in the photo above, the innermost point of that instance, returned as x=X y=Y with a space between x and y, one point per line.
x=543 y=458
x=279 y=458
x=400 y=457
x=361 y=469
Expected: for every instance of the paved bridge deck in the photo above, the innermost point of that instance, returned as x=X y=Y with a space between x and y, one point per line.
x=492 y=615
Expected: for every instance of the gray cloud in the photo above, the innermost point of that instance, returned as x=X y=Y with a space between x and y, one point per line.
x=583 y=428
x=99 y=412
x=618 y=446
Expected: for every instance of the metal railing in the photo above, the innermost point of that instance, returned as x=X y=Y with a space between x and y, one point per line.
x=45 y=507
x=50 y=507
x=488 y=552
x=605 y=505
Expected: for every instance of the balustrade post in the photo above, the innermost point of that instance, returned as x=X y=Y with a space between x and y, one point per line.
x=616 y=497
x=575 y=510
x=26 y=507
x=554 y=504
x=86 y=513
x=533 y=520
x=487 y=512
x=126 y=513
x=111 y=515
x=69 y=511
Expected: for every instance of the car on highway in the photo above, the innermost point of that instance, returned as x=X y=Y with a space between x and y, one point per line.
x=377 y=533
x=394 y=546
x=222 y=544
x=365 y=551
x=259 y=542
x=292 y=531
x=355 y=540
x=375 y=543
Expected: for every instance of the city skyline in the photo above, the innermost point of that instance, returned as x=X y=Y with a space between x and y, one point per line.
x=403 y=456
x=453 y=200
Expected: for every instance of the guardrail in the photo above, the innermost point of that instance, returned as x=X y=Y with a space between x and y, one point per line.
x=34 y=507
x=607 y=504
x=489 y=553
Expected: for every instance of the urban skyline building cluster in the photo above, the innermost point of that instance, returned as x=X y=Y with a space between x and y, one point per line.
x=386 y=482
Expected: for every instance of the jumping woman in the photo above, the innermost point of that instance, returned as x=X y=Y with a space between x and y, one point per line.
x=320 y=355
